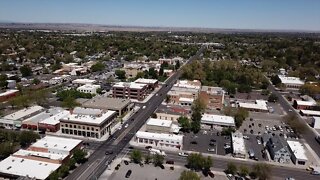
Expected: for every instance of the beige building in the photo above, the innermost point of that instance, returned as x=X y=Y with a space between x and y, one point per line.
x=87 y=122
x=213 y=97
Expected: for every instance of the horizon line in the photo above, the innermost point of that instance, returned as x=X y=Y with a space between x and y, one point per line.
x=164 y=27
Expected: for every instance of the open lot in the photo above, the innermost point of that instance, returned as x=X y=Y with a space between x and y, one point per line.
x=203 y=140
x=149 y=172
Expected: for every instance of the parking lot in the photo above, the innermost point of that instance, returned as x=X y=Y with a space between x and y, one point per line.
x=201 y=142
x=149 y=172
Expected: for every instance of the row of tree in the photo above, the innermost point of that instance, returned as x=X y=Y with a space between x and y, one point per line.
x=261 y=171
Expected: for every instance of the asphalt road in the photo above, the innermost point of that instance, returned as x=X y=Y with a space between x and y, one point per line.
x=308 y=135
x=97 y=162
x=220 y=163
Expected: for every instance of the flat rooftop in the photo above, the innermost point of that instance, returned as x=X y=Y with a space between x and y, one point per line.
x=238 y=143
x=310 y=112
x=102 y=102
x=217 y=119
x=94 y=119
x=83 y=81
x=46 y=155
x=55 y=119
x=23 y=113
x=195 y=84
x=9 y=92
x=297 y=149
x=159 y=122
x=131 y=85
x=159 y=136
x=26 y=167
x=291 y=80
x=43 y=115
x=57 y=143
x=259 y=105
x=146 y=81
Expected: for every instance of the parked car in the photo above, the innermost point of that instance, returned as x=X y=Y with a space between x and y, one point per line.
x=126 y=126
x=193 y=142
x=211 y=150
x=211 y=174
x=169 y=162
x=183 y=154
x=246 y=137
x=109 y=152
x=126 y=162
x=128 y=173
x=148 y=147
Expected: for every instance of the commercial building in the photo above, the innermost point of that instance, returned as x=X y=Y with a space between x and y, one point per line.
x=89 y=88
x=52 y=123
x=310 y=113
x=172 y=61
x=159 y=140
x=307 y=103
x=195 y=84
x=8 y=94
x=83 y=81
x=130 y=90
x=15 y=167
x=152 y=83
x=59 y=79
x=213 y=97
x=56 y=145
x=106 y=103
x=278 y=150
x=298 y=153
x=33 y=121
x=259 y=105
x=238 y=146
x=161 y=126
x=218 y=120
x=40 y=159
x=316 y=122
x=15 y=119
x=291 y=82
x=88 y=122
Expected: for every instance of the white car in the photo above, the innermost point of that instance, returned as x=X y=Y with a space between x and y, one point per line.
x=246 y=137
x=125 y=126
x=211 y=150
x=258 y=141
x=226 y=146
x=183 y=154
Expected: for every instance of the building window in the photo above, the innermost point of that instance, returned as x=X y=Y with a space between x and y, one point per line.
x=92 y=129
x=74 y=126
x=62 y=130
x=66 y=125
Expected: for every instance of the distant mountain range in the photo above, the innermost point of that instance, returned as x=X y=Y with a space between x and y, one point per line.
x=103 y=28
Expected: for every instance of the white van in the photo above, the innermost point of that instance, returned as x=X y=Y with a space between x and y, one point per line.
x=157 y=151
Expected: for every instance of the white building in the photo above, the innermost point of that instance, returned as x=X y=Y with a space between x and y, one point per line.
x=259 y=105
x=298 y=153
x=89 y=88
x=15 y=119
x=88 y=122
x=291 y=82
x=238 y=145
x=56 y=145
x=161 y=126
x=83 y=81
x=59 y=79
x=218 y=120
x=183 y=101
x=17 y=166
x=310 y=113
x=159 y=140
x=316 y=122
x=195 y=84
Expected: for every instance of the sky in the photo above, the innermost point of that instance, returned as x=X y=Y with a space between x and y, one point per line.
x=235 y=14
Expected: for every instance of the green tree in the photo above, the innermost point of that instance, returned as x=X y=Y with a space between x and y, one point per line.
x=197 y=109
x=189 y=175
x=3 y=81
x=97 y=67
x=275 y=80
x=147 y=158
x=161 y=71
x=69 y=103
x=273 y=98
x=177 y=66
x=28 y=137
x=240 y=116
x=293 y=121
x=184 y=123
x=262 y=171
x=136 y=156
x=207 y=164
x=244 y=171
x=120 y=74
x=79 y=155
x=167 y=100
x=63 y=171
x=54 y=176
x=36 y=81
x=195 y=161
x=157 y=159
x=231 y=168
x=25 y=71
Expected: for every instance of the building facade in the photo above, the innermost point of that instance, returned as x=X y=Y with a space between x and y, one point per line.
x=213 y=97
x=278 y=150
x=130 y=90
x=159 y=140
x=87 y=122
